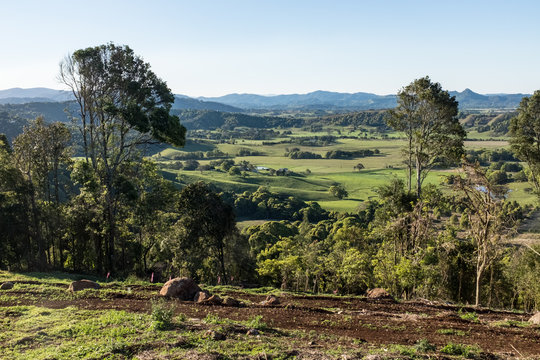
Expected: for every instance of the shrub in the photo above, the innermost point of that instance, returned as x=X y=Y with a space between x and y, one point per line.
x=423 y=345
x=162 y=315
x=470 y=316
x=256 y=323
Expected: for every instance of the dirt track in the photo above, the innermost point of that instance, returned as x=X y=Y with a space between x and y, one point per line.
x=351 y=319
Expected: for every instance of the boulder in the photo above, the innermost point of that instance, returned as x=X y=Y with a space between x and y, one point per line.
x=535 y=319
x=83 y=284
x=229 y=301
x=201 y=296
x=6 y=286
x=180 y=288
x=270 y=300
x=379 y=294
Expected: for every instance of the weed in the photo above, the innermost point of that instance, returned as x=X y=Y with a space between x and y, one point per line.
x=423 y=345
x=213 y=319
x=469 y=316
x=257 y=323
x=162 y=314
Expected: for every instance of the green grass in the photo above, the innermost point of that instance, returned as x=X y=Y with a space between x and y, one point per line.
x=325 y=172
x=469 y=316
x=467 y=351
x=454 y=332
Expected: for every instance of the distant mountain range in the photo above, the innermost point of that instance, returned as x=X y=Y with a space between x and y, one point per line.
x=325 y=100
x=22 y=96
x=317 y=100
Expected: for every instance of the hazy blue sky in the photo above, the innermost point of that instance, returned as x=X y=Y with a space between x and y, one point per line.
x=210 y=48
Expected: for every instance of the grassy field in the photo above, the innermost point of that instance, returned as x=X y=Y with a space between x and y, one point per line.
x=315 y=176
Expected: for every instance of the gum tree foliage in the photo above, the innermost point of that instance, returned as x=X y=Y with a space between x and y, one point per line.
x=122 y=105
x=428 y=116
x=16 y=245
x=525 y=135
x=39 y=153
x=206 y=224
x=488 y=222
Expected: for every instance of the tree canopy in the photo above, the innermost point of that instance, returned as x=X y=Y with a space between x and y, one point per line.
x=525 y=135
x=427 y=115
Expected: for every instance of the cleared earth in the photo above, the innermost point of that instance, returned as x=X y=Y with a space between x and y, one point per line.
x=301 y=326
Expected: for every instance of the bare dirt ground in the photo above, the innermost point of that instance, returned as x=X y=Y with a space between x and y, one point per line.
x=351 y=319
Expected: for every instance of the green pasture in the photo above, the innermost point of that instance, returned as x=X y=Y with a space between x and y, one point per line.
x=315 y=176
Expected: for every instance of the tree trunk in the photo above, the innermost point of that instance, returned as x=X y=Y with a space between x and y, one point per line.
x=222 y=262
x=477 y=296
x=418 y=178
x=41 y=256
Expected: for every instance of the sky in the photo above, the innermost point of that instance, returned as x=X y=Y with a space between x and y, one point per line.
x=213 y=48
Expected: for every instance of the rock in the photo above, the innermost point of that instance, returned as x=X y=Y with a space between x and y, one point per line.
x=535 y=319
x=229 y=301
x=379 y=294
x=252 y=332
x=83 y=284
x=6 y=286
x=201 y=296
x=212 y=300
x=180 y=288
x=270 y=300
x=215 y=335
x=373 y=357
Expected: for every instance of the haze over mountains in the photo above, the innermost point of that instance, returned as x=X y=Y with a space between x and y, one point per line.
x=317 y=100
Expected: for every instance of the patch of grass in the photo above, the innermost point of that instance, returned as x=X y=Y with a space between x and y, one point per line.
x=510 y=323
x=256 y=323
x=214 y=319
x=469 y=316
x=455 y=332
x=394 y=327
x=468 y=351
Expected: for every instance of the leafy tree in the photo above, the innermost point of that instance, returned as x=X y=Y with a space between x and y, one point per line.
x=525 y=135
x=16 y=245
x=205 y=224
x=122 y=105
x=359 y=166
x=428 y=116
x=338 y=191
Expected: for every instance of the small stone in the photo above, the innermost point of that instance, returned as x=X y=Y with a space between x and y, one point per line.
x=83 y=284
x=229 y=301
x=201 y=296
x=212 y=300
x=535 y=319
x=215 y=335
x=6 y=286
x=252 y=332
x=270 y=300
x=379 y=294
